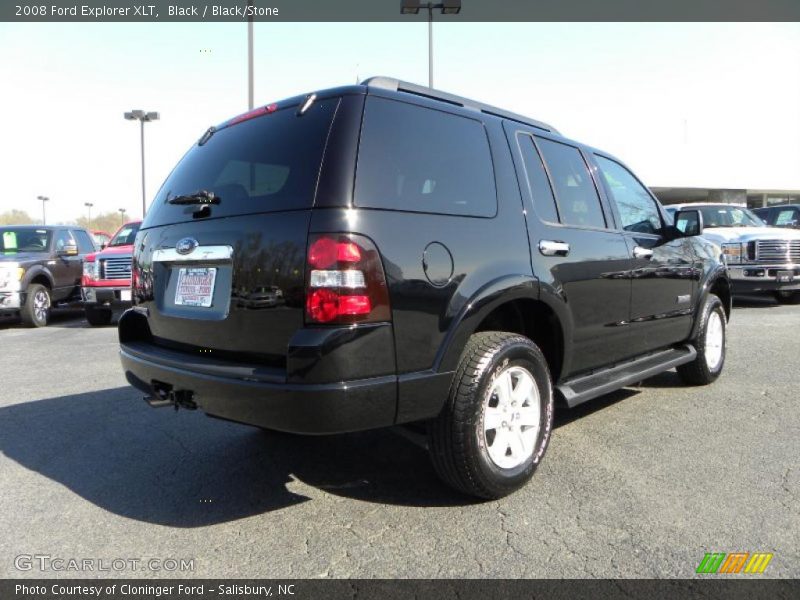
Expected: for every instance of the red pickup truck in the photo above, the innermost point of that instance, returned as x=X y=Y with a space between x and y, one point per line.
x=106 y=283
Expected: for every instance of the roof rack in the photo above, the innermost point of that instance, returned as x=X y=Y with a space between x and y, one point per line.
x=395 y=85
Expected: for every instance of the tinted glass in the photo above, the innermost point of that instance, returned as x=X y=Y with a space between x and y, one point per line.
x=263 y=164
x=637 y=210
x=63 y=239
x=729 y=216
x=13 y=240
x=85 y=243
x=125 y=236
x=578 y=202
x=422 y=160
x=544 y=203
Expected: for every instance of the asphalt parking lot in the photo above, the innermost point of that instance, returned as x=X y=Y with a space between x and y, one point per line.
x=640 y=483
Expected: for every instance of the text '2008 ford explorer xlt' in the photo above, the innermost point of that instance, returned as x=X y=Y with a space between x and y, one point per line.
x=438 y=260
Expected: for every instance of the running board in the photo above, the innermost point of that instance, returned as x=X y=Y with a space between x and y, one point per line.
x=586 y=387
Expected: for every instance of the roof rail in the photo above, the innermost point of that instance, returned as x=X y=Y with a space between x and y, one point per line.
x=395 y=85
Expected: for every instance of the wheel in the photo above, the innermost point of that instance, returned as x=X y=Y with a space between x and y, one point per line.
x=710 y=345
x=98 y=317
x=36 y=310
x=494 y=429
x=786 y=297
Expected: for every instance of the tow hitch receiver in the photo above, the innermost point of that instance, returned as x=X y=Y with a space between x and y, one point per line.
x=164 y=395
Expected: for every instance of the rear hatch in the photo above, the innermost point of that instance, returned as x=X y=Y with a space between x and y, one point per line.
x=230 y=222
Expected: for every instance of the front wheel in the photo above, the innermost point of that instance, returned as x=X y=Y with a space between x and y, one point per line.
x=36 y=310
x=710 y=345
x=494 y=429
x=786 y=297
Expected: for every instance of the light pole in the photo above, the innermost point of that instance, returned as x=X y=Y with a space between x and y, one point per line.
x=121 y=216
x=143 y=117
x=89 y=206
x=447 y=7
x=250 y=86
x=43 y=200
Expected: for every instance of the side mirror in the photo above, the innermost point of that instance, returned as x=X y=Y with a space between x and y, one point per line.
x=68 y=250
x=103 y=246
x=689 y=222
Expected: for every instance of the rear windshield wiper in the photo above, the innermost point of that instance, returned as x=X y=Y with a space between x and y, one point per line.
x=201 y=197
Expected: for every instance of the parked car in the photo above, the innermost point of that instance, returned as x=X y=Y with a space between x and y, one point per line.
x=101 y=238
x=784 y=215
x=442 y=262
x=107 y=277
x=761 y=259
x=40 y=267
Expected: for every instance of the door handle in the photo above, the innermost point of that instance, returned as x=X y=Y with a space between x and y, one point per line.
x=639 y=252
x=552 y=248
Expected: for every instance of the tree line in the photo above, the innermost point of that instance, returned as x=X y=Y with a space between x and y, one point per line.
x=108 y=221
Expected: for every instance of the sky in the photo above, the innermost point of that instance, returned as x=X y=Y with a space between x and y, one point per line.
x=685 y=105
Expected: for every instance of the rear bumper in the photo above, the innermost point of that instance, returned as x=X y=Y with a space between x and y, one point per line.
x=262 y=397
x=106 y=296
x=763 y=278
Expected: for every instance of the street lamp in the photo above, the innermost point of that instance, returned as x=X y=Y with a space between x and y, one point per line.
x=250 y=61
x=447 y=7
x=142 y=117
x=89 y=205
x=122 y=216
x=43 y=200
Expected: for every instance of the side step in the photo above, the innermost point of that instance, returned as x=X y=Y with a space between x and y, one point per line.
x=586 y=387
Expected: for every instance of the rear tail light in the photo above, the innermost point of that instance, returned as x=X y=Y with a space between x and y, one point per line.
x=345 y=282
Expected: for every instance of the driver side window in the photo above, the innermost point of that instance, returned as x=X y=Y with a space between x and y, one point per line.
x=63 y=239
x=637 y=209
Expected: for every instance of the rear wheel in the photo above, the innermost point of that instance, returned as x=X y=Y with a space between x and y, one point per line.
x=787 y=297
x=98 y=317
x=710 y=345
x=494 y=430
x=36 y=310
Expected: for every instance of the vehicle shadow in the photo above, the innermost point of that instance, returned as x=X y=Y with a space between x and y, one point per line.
x=60 y=317
x=185 y=470
x=755 y=301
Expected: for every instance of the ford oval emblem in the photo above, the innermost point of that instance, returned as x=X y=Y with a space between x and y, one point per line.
x=186 y=246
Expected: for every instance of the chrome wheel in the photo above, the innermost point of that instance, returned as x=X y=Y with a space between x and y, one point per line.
x=511 y=418
x=715 y=340
x=41 y=305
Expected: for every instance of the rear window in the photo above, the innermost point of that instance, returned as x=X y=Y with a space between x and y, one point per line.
x=422 y=160
x=264 y=164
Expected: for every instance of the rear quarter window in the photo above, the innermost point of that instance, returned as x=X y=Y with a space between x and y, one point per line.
x=418 y=159
x=265 y=164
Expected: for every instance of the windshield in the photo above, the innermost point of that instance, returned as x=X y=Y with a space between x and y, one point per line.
x=125 y=236
x=729 y=216
x=14 y=240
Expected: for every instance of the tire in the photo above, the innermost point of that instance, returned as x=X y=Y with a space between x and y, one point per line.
x=710 y=346
x=36 y=310
x=98 y=317
x=787 y=297
x=467 y=453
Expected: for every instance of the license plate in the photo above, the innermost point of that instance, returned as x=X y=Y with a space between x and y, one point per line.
x=195 y=287
x=785 y=276
x=125 y=295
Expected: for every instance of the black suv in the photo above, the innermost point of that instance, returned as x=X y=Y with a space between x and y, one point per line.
x=40 y=267
x=439 y=261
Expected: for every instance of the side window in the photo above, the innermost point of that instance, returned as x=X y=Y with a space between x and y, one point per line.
x=637 y=209
x=85 y=244
x=786 y=217
x=423 y=160
x=63 y=239
x=578 y=202
x=544 y=203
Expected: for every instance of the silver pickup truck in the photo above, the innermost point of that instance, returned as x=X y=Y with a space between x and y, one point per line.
x=761 y=259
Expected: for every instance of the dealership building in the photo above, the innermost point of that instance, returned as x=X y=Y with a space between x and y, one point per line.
x=750 y=198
